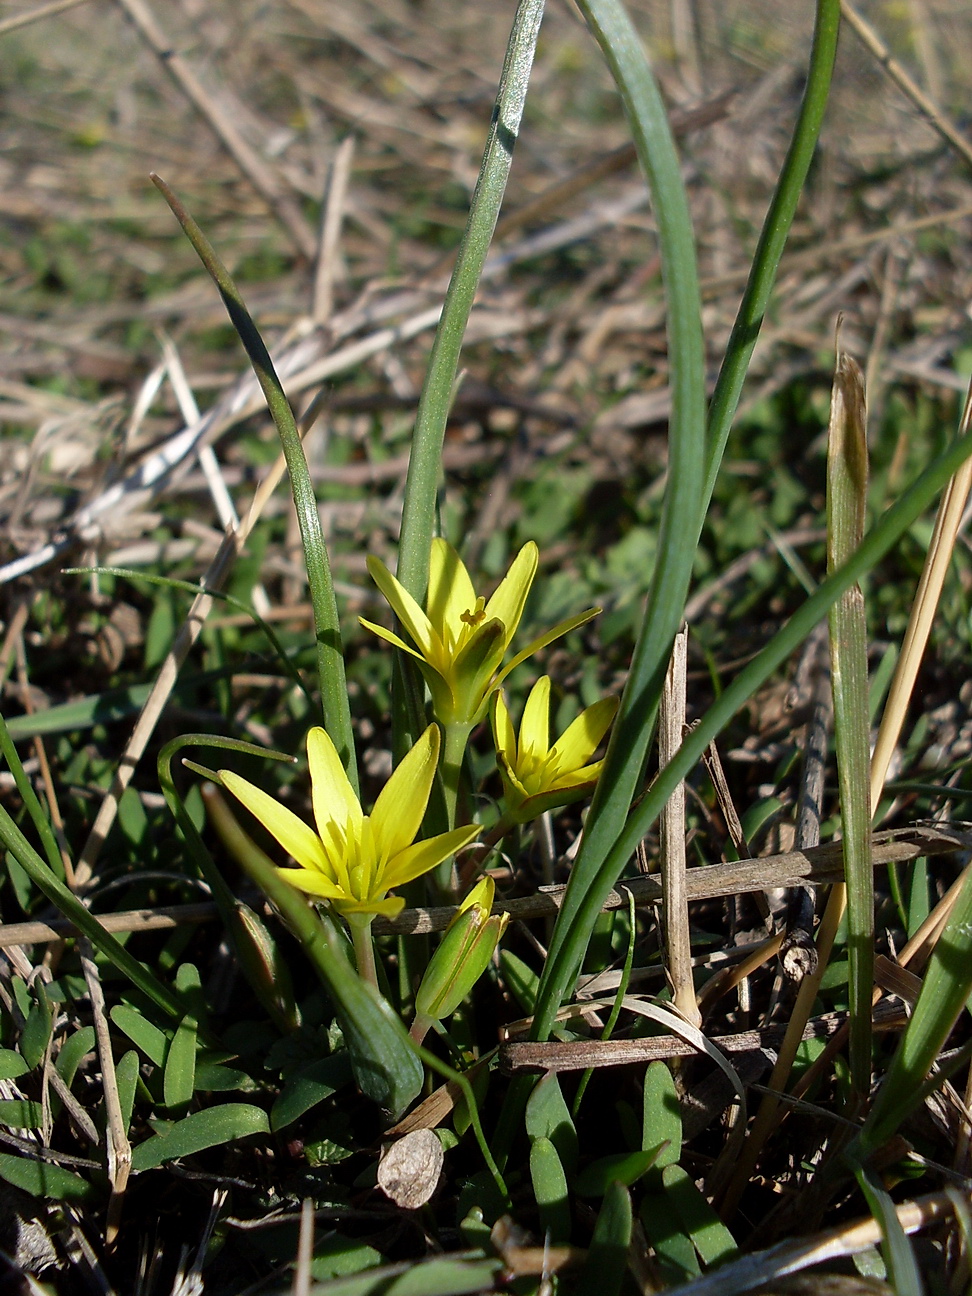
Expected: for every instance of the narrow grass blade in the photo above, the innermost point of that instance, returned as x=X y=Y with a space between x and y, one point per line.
x=327 y=628
x=899 y=1255
x=846 y=509
x=772 y=240
x=425 y=459
x=169 y=582
x=607 y=1259
x=562 y=964
x=624 y=761
x=72 y=909
x=945 y=988
x=247 y=936
x=40 y=820
x=550 y=1190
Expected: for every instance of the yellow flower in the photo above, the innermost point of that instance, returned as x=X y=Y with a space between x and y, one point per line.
x=537 y=777
x=354 y=859
x=461 y=639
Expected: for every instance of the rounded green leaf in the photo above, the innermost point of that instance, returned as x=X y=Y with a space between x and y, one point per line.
x=199 y=1131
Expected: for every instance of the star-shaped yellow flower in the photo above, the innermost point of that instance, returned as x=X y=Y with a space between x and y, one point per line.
x=353 y=859
x=461 y=639
x=537 y=776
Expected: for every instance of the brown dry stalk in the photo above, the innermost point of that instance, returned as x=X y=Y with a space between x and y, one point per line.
x=675 y=917
x=577 y=1055
x=925 y=105
x=820 y=865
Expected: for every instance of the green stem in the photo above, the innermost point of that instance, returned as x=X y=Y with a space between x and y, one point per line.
x=425 y=459
x=33 y=806
x=561 y=969
x=364 y=948
x=450 y=769
x=772 y=240
x=327 y=626
x=450 y=772
x=623 y=764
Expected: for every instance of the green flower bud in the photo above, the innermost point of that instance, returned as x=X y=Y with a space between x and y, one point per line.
x=462 y=956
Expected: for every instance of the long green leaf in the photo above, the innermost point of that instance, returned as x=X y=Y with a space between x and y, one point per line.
x=626 y=57
x=945 y=989
x=34 y=808
x=435 y=401
x=772 y=240
x=85 y=921
x=846 y=510
x=607 y=1259
x=327 y=626
x=899 y=1255
x=441 y=1276
x=251 y=943
x=560 y=971
x=201 y=1130
x=425 y=460
x=49 y=1182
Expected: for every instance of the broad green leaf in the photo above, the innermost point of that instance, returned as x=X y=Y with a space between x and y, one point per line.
x=126 y=1075
x=179 y=1078
x=73 y=1050
x=12 y=1065
x=309 y=1086
x=36 y=1034
x=621 y=1167
x=607 y=1258
x=441 y=1276
x=201 y=1130
x=709 y=1235
x=673 y=1247
x=661 y=1121
x=547 y=1116
x=213 y=1077
x=550 y=1190
x=49 y=1182
x=153 y=1042
x=20 y=1113
x=336 y=1256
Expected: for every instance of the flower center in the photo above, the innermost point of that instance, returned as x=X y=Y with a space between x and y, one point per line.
x=474 y=616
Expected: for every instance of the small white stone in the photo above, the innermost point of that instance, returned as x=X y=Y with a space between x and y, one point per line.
x=409 y=1169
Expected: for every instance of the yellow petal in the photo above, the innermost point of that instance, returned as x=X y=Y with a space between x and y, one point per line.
x=510 y=598
x=311 y=883
x=474 y=668
x=561 y=628
x=535 y=725
x=451 y=591
x=297 y=838
x=388 y=907
x=400 y=807
x=504 y=735
x=579 y=741
x=406 y=609
x=390 y=637
x=335 y=803
x=418 y=859
x=514 y=789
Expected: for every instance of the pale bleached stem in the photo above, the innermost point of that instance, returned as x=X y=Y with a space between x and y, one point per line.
x=678 y=947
